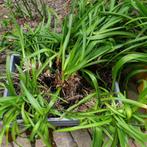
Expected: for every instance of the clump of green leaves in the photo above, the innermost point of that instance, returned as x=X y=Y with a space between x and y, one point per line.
x=94 y=33
x=28 y=8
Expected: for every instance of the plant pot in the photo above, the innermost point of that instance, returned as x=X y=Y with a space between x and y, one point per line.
x=15 y=60
x=58 y=122
x=133 y=83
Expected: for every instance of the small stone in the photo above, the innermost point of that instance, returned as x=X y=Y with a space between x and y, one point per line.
x=5 y=16
x=82 y=138
x=39 y=143
x=64 y=140
x=23 y=141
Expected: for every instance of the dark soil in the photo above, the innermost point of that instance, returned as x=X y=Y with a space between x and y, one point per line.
x=75 y=87
x=72 y=90
x=104 y=74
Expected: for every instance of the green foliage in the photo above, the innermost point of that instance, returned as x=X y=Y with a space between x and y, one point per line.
x=95 y=33
x=28 y=8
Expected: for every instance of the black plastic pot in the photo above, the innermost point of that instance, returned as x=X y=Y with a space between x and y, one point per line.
x=15 y=60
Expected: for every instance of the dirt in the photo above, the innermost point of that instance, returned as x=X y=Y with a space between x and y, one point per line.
x=105 y=74
x=72 y=90
x=60 y=6
x=106 y=77
x=3 y=17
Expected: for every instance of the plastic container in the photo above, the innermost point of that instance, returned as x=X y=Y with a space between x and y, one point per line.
x=15 y=60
